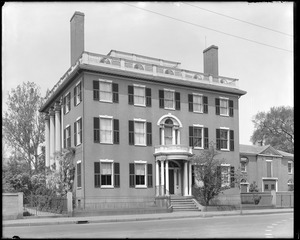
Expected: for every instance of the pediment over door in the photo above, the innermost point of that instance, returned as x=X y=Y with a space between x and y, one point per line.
x=270 y=151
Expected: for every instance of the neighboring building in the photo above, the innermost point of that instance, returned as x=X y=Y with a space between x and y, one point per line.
x=271 y=169
x=135 y=121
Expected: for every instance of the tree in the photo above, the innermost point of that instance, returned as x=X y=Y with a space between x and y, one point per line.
x=207 y=174
x=276 y=128
x=23 y=126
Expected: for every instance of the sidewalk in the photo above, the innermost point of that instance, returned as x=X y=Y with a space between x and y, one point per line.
x=137 y=217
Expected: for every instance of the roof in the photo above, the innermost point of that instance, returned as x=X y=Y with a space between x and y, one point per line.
x=265 y=150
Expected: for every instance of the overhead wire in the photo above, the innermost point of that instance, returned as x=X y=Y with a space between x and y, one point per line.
x=211 y=29
x=240 y=20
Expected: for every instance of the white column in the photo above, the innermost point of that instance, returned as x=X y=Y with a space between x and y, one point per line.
x=157 y=178
x=162 y=177
x=167 y=177
x=52 y=136
x=190 y=179
x=178 y=137
x=62 y=123
x=47 y=140
x=162 y=136
x=173 y=136
x=185 y=179
x=57 y=133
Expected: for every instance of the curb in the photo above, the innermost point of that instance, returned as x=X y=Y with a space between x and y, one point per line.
x=86 y=221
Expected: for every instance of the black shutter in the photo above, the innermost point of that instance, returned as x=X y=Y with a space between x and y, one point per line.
x=193 y=175
x=116 y=139
x=75 y=135
x=177 y=100
x=218 y=139
x=96 y=129
x=161 y=99
x=219 y=176
x=115 y=89
x=65 y=141
x=205 y=138
x=80 y=125
x=231 y=108
x=231 y=140
x=191 y=136
x=217 y=106
x=69 y=102
x=149 y=176
x=205 y=104
x=69 y=139
x=96 y=90
x=190 y=99
x=64 y=103
x=232 y=178
x=117 y=175
x=131 y=132
x=149 y=134
x=97 y=178
x=130 y=95
x=80 y=92
x=75 y=95
x=148 y=97
x=131 y=175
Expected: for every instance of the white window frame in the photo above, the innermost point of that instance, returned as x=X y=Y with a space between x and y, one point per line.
x=66 y=137
x=134 y=95
x=111 y=124
x=202 y=137
x=77 y=97
x=139 y=120
x=223 y=165
x=173 y=94
x=111 y=92
x=228 y=138
x=67 y=105
x=271 y=161
x=201 y=102
x=227 y=109
x=112 y=173
x=77 y=162
x=146 y=176
x=245 y=166
x=78 y=142
x=290 y=163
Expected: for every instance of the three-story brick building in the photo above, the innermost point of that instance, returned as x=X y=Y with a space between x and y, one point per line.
x=134 y=121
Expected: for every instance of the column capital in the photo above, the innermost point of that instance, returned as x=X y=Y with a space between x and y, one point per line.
x=57 y=106
x=51 y=112
x=47 y=117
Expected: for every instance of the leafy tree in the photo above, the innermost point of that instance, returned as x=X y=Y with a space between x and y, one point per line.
x=23 y=126
x=276 y=128
x=207 y=174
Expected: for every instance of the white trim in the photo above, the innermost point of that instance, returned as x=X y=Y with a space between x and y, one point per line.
x=78 y=161
x=139 y=120
x=139 y=85
x=224 y=98
x=146 y=174
x=78 y=118
x=228 y=139
x=105 y=116
x=225 y=164
x=67 y=94
x=169 y=115
x=67 y=126
x=106 y=160
x=112 y=173
x=169 y=90
x=290 y=162
x=145 y=131
x=112 y=128
x=78 y=83
x=198 y=94
x=104 y=80
x=140 y=161
x=225 y=128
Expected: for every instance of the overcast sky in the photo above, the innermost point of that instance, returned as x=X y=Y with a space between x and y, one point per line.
x=36 y=43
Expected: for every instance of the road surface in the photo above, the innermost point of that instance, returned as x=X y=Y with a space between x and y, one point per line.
x=240 y=226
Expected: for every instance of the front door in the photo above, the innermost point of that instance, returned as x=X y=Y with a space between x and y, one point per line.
x=269 y=185
x=171 y=181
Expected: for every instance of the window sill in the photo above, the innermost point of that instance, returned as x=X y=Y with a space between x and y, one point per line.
x=140 y=145
x=225 y=150
x=77 y=104
x=142 y=186
x=106 y=187
x=78 y=144
x=173 y=109
x=105 y=101
x=290 y=173
x=78 y=188
x=198 y=148
x=106 y=143
x=224 y=115
x=139 y=105
x=198 y=112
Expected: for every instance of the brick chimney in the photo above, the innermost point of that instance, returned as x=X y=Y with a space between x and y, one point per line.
x=210 y=59
x=77 y=36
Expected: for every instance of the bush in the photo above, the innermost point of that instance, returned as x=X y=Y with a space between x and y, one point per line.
x=26 y=213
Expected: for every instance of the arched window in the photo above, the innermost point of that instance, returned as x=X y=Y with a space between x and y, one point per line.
x=139 y=66
x=169 y=72
x=169 y=130
x=105 y=60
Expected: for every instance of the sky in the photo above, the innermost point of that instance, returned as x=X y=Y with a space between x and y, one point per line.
x=255 y=42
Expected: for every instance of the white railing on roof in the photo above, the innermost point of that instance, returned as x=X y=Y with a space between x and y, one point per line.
x=142 y=66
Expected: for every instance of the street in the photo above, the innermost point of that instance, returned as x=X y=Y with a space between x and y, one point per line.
x=245 y=226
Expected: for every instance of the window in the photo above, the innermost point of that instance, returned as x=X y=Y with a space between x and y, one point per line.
x=77 y=94
x=105 y=92
x=67 y=103
x=290 y=185
x=243 y=167
x=139 y=95
x=225 y=139
x=169 y=99
x=106 y=130
x=197 y=103
x=67 y=137
x=79 y=174
x=266 y=187
x=140 y=174
x=225 y=175
x=106 y=174
x=198 y=137
x=290 y=171
x=140 y=133
x=78 y=132
x=224 y=107
x=269 y=168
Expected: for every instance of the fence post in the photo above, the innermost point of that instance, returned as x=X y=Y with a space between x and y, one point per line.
x=69 y=204
x=273 y=193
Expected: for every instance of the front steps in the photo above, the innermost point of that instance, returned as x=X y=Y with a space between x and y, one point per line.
x=181 y=203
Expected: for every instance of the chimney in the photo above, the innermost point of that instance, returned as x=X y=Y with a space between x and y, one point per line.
x=77 y=36
x=210 y=57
